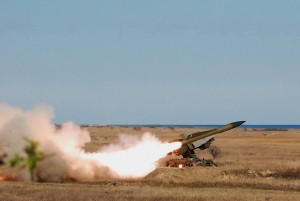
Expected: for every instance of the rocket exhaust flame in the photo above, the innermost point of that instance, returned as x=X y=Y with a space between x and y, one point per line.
x=136 y=161
x=65 y=157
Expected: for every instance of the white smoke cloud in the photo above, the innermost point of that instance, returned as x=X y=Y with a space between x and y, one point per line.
x=64 y=156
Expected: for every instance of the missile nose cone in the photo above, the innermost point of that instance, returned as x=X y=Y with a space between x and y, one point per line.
x=237 y=123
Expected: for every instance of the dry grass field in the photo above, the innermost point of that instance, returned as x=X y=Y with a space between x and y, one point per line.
x=252 y=165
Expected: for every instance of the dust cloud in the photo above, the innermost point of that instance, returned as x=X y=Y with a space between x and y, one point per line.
x=64 y=157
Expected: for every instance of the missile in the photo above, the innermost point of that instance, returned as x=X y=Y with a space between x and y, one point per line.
x=200 y=135
x=188 y=141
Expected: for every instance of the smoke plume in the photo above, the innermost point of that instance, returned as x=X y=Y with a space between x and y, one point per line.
x=64 y=156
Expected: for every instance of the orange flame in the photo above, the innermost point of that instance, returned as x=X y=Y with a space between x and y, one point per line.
x=8 y=178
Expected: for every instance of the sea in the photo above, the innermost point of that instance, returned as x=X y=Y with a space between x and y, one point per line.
x=246 y=126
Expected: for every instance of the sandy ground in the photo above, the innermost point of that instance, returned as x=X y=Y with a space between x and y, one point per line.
x=253 y=165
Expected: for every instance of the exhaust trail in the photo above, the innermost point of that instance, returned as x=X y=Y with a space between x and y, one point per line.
x=63 y=148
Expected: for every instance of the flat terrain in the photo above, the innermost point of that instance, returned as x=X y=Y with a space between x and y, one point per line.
x=252 y=165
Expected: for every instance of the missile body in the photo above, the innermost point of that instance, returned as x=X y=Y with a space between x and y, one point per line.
x=201 y=135
x=187 y=140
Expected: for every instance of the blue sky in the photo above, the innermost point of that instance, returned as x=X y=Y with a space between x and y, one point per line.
x=153 y=62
